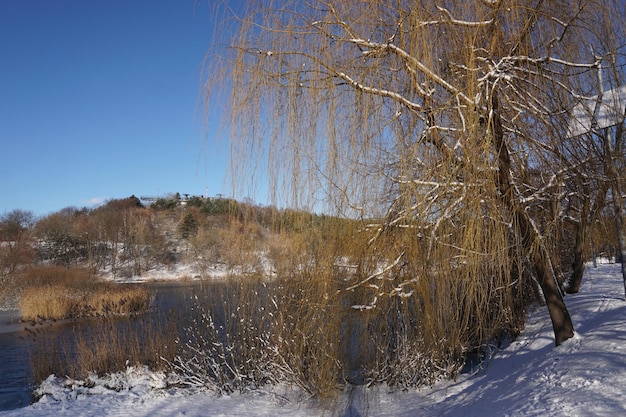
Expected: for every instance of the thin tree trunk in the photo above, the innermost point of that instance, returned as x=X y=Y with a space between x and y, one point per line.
x=612 y=149
x=619 y=200
x=619 y=224
x=594 y=257
x=587 y=214
x=531 y=241
x=578 y=266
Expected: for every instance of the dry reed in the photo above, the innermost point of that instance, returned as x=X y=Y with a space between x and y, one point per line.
x=103 y=346
x=57 y=293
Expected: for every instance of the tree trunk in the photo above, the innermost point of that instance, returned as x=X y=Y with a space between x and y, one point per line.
x=531 y=240
x=578 y=266
x=561 y=320
x=594 y=256
x=619 y=224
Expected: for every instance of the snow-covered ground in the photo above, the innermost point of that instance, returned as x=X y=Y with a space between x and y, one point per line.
x=586 y=376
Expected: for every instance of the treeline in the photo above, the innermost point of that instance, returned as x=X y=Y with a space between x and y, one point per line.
x=124 y=237
x=317 y=323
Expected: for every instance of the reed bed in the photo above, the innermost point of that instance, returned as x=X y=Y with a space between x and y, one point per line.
x=56 y=294
x=56 y=302
x=103 y=346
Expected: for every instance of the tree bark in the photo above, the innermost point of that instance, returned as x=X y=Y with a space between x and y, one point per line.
x=578 y=266
x=531 y=240
x=561 y=320
x=619 y=224
x=587 y=214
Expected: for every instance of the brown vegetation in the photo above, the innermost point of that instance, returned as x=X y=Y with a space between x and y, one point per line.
x=58 y=293
x=102 y=346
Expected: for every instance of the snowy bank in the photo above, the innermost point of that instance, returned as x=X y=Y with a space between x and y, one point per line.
x=585 y=376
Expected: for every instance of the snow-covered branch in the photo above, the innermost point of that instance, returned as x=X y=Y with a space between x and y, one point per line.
x=379 y=92
x=378 y=274
x=451 y=20
x=413 y=62
x=555 y=181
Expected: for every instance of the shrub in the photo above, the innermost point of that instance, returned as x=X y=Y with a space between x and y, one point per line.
x=256 y=336
x=188 y=226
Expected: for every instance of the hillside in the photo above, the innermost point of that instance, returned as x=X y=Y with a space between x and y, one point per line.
x=171 y=238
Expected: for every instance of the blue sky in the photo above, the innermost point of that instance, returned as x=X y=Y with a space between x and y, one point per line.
x=102 y=99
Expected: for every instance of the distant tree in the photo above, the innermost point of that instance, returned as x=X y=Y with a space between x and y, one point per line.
x=142 y=242
x=60 y=244
x=127 y=230
x=188 y=226
x=164 y=204
x=213 y=206
x=15 y=240
x=94 y=249
x=123 y=203
x=195 y=201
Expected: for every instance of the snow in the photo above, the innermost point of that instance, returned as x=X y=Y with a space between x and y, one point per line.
x=609 y=112
x=585 y=376
x=177 y=272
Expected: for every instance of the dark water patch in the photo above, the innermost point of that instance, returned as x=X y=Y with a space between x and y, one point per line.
x=16 y=376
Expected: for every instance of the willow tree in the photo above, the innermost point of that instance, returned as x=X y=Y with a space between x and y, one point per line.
x=424 y=119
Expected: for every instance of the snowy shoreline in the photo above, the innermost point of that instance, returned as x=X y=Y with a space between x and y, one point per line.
x=585 y=376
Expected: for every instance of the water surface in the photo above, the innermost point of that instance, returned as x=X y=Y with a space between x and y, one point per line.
x=15 y=373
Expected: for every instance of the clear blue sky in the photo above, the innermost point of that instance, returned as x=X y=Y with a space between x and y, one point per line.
x=101 y=99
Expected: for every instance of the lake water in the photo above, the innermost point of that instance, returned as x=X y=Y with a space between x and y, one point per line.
x=18 y=340
x=15 y=372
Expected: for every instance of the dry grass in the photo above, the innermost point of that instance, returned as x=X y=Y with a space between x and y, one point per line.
x=57 y=293
x=111 y=335
x=103 y=346
x=47 y=302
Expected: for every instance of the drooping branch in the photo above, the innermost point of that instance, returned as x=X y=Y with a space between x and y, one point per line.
x=380 y=92
x=449 y=20
x=378 y=274
x=414 y=63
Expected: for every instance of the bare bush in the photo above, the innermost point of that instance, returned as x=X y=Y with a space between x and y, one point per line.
x=255 y=338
